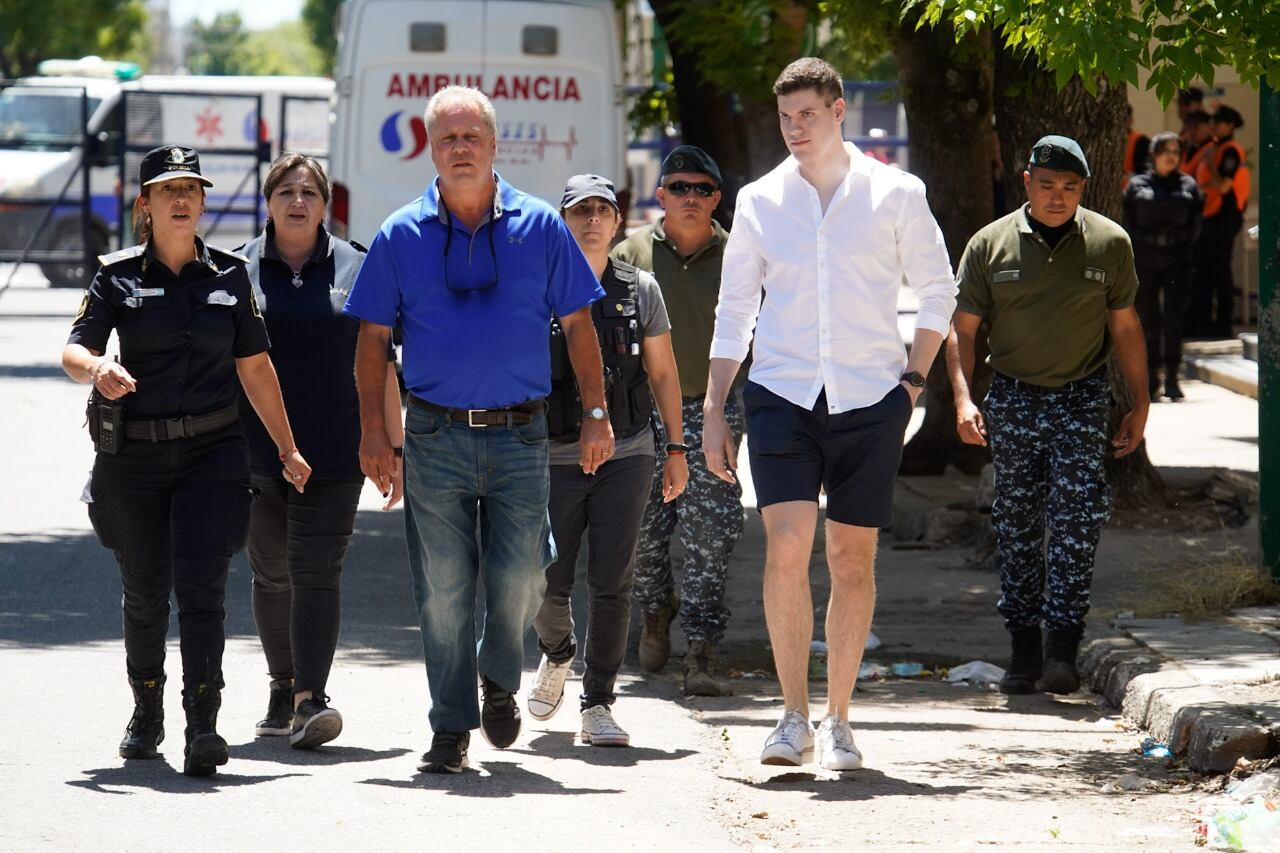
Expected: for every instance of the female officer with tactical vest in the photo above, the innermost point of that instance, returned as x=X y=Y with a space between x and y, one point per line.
x=170 y=492
x=608 y=506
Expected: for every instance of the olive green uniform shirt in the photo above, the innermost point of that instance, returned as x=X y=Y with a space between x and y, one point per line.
x=1048 y=308
x=690 y=288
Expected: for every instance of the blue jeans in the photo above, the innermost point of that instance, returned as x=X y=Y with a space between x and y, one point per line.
x=475 y=506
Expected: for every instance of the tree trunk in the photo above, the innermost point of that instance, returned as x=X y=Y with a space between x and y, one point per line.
x=1028 y=106
x=949 y=122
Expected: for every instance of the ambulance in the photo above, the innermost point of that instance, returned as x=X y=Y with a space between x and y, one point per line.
x=43 y=136
x=551 y=67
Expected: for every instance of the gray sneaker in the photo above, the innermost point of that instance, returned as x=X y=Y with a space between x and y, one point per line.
x=547 y=693
x=600 y=729
x=791 y=743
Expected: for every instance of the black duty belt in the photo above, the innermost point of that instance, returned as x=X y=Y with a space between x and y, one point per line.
x=187 y=426
x=478 y=418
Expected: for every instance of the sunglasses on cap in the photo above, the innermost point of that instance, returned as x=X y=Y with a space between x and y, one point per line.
x=683 y=188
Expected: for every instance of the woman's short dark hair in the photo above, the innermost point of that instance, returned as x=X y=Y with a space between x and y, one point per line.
x=1165 y=138
x=811 y=73
x=286 y=163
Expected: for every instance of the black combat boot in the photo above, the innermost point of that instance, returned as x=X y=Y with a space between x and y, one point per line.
x=205 y=748
x=146 y=727
x=1060 y=674
x=1027 y=663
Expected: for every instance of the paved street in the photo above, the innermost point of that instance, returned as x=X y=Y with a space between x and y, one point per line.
x=948 y=767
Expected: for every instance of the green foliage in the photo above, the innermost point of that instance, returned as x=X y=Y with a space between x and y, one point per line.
x=654 y=107
x=1179 y=41
x=217 y=47
x=69 y=29
x=320 y=18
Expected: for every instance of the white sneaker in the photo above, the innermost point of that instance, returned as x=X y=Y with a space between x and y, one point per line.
x=791 y=743
x=547 y=692
x=836 y=748
x=600 y=729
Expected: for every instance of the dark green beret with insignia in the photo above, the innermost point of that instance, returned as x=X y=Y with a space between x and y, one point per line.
x=691 y=158
x=1061 y=154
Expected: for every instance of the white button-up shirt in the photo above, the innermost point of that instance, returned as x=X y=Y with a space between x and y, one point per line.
x=829 y=318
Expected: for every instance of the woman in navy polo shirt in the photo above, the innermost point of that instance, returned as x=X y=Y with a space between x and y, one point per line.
x=297 y=540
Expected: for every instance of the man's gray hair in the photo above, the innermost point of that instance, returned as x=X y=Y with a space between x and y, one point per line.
x=451 y=96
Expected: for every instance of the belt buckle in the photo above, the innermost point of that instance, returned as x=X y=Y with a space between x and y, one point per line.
x=471 y=414
x=175 y=428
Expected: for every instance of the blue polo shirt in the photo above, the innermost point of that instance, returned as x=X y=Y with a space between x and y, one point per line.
x=476 y=318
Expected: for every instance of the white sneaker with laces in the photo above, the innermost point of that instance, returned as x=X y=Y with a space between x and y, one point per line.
x=600 y=729
x=836 y=748
x=547 y=692
x=791 y=743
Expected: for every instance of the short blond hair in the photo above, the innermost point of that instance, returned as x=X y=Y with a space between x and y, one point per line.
x=465 y=96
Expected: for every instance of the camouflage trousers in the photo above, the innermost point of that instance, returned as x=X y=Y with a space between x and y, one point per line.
x=711 y=519
x=1048 y=447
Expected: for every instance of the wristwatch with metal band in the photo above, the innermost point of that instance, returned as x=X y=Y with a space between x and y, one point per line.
x=914 y=377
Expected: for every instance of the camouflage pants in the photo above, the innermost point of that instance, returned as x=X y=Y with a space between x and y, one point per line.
x=711 y=519
x=1048 y=447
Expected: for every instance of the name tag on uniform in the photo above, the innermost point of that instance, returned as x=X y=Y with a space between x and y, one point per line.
x=1095 y=274
x=221 y=297
x=147 y=291
x=1006 y=275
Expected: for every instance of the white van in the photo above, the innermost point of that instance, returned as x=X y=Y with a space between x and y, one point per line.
x=551 y=67
x=41 y=139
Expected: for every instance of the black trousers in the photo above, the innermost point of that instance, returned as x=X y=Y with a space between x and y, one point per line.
x=1162 y=303
x=173 y=513
x=1212 y=307
x=607 y=507
x=297 y=543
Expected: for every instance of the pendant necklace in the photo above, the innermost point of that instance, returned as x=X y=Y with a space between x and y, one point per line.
x=297 y=278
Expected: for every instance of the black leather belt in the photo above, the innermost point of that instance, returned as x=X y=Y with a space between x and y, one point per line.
x=187 y=426
x=517 y=415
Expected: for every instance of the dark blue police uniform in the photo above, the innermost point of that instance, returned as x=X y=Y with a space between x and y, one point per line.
x=173 y=503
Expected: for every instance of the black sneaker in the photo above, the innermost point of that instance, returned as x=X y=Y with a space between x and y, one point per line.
x=279 y=718
x=499 y=715
x=448 y=753
x=314 y=723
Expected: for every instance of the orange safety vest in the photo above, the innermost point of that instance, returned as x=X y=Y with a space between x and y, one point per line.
x=1239 y=181
x=1192 y=163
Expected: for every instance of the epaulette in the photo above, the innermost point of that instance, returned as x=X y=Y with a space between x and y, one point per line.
x=122 y=255
x=358 y=247
x=214 y=250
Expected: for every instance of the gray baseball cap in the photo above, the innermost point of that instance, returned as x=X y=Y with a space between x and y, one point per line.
x=1061 y=154
x=581 y=187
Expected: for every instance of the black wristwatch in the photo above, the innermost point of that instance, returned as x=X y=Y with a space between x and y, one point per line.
x=677 y=447
x=914 y=377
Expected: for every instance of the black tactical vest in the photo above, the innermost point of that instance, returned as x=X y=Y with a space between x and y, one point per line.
x=617 y=321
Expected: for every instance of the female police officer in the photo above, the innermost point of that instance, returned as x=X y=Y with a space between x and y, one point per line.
x=301 y=275
x=170 y=489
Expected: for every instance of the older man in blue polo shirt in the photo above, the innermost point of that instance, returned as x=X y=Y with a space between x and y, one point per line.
x=473 y=271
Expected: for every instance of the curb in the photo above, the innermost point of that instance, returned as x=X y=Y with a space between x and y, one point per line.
x=1205 y=724
x=1235 y=374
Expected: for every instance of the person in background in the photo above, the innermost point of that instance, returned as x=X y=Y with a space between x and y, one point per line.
x=1137 y=149
x=1162 y=215
x=301 y=275
x=607 y=506
x=1223 y=176
x=170 y=491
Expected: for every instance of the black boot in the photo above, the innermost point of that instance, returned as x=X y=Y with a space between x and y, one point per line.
x=205 y=748
x=146 y=727
x=1153 y=384
x=1027 y=663
x=1172 y=389
x=1060 y=674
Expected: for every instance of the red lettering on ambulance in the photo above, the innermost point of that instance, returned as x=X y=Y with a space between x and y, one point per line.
x=540 y=86
x=571 y=90
x=396 y=88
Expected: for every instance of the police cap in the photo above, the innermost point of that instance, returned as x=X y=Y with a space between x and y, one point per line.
x=691 y=158
x=170 y=162
x=1228 y=115
x=1061 y=154
x=581 y=187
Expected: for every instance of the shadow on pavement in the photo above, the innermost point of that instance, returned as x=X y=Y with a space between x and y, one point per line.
x=158 y=775
x=852 y=787
x=564 y=745
x=502 y=779
x=277 y=751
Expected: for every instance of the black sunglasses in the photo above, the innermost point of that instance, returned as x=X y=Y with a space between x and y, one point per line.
x=468 y=285
x=683 y=188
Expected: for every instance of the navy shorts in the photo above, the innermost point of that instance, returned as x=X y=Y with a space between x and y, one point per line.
x=853 y=455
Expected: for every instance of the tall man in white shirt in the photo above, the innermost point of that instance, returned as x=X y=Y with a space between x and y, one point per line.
x=828 y=236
